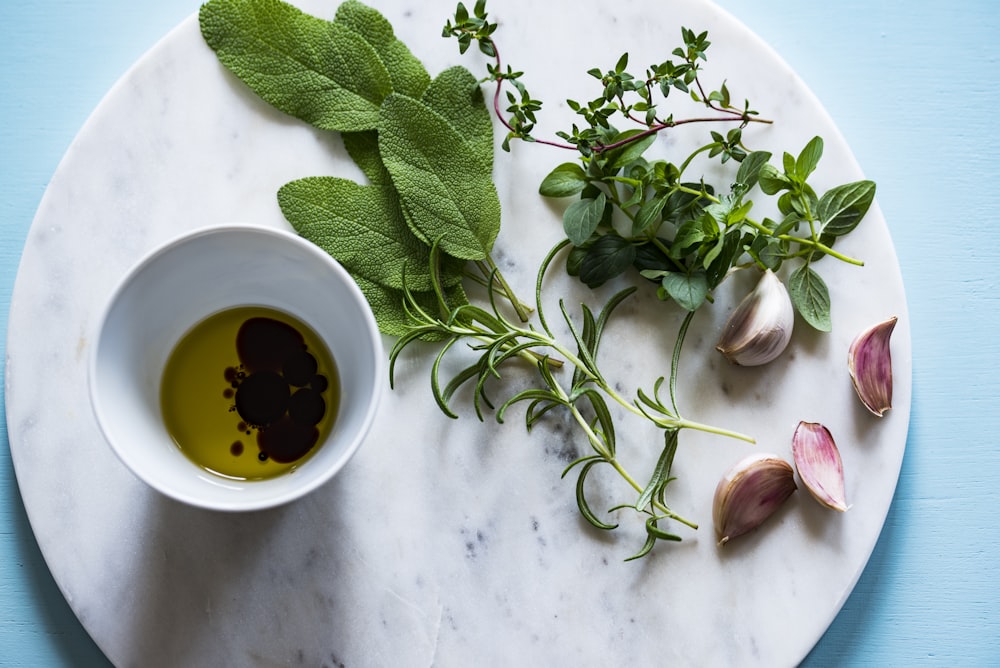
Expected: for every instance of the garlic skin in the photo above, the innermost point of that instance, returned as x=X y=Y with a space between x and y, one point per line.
x=759 y=329
x=818 y=462
x=870 y=363
x=749 y=493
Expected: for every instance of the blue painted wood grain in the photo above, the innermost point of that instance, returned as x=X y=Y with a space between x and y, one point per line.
x=915 y=88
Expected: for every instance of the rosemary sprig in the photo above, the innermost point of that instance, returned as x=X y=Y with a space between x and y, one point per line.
x=587 y=395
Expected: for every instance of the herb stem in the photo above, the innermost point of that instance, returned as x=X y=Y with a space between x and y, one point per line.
x=687 y=161
x=813 y=243
x=666 y=125
x=601 y=450
x=499 y=77
x=492 y=272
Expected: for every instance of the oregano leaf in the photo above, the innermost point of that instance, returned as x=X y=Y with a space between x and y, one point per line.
x=650 y=212
x=566 y=180
x=749 y=170
x=771 y=180
x=841 y=208
x=607 y=257
x=582 y=217
x=811 y=297
x=688 y=290
x=806 y=163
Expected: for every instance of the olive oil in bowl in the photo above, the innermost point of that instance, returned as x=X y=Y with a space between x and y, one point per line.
x=249 y=393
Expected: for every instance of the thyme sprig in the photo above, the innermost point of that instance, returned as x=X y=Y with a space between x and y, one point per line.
x=622 y=93
x=587 y=395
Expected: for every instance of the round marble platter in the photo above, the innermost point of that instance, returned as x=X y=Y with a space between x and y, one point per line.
x=444 y=542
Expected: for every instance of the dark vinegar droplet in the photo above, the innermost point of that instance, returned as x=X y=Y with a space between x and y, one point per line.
x=287 y=441
x=299 y=368
x=265 y=344
x=319 y=383
x=236 y=448
x=262 y=456
x=262 y=398
x=230 y=374
x=306 y=407
x=228 y=393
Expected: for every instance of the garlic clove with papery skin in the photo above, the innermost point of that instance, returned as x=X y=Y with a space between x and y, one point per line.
x=870 y=363
x=818 y=462
x=759 y=329
x=749 y=493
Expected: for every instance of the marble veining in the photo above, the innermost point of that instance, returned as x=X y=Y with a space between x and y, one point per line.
x=443 y=543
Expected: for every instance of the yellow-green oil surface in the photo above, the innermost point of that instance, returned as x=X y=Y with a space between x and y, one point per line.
x=207 y=386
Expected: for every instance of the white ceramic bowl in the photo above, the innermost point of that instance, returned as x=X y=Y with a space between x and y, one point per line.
x=190 y=278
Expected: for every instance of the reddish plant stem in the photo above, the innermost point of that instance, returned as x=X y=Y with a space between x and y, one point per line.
x=653 y=129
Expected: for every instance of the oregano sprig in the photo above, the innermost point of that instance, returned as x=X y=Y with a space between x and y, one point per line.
x=679 y=231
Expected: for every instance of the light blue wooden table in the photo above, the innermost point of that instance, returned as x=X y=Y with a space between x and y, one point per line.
x=915 y=88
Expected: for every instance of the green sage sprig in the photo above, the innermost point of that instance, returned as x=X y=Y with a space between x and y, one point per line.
x=424 y=143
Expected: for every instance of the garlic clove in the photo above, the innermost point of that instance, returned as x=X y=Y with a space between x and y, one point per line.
x=818 y=462
x=870 y=363
x=759 y=328
x=749 y=493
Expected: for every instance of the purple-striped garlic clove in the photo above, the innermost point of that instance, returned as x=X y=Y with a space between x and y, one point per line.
x=870 y=364
x=759 y=328
x=749 y=493
x=818 y=462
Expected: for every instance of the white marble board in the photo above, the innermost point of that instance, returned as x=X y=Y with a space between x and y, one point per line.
x=443 y=543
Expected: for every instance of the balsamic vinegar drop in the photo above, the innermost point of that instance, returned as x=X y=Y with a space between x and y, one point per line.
x=248 y=393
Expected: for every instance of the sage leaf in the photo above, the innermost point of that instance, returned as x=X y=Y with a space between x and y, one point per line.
x=363 y=229
x=406 y=73
x=582 y=217
x=318 y=71
x=442 y=185
x=456 y=95
x=387 y=305
x=363 y=149
x=842 y=208
x=811 y=297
